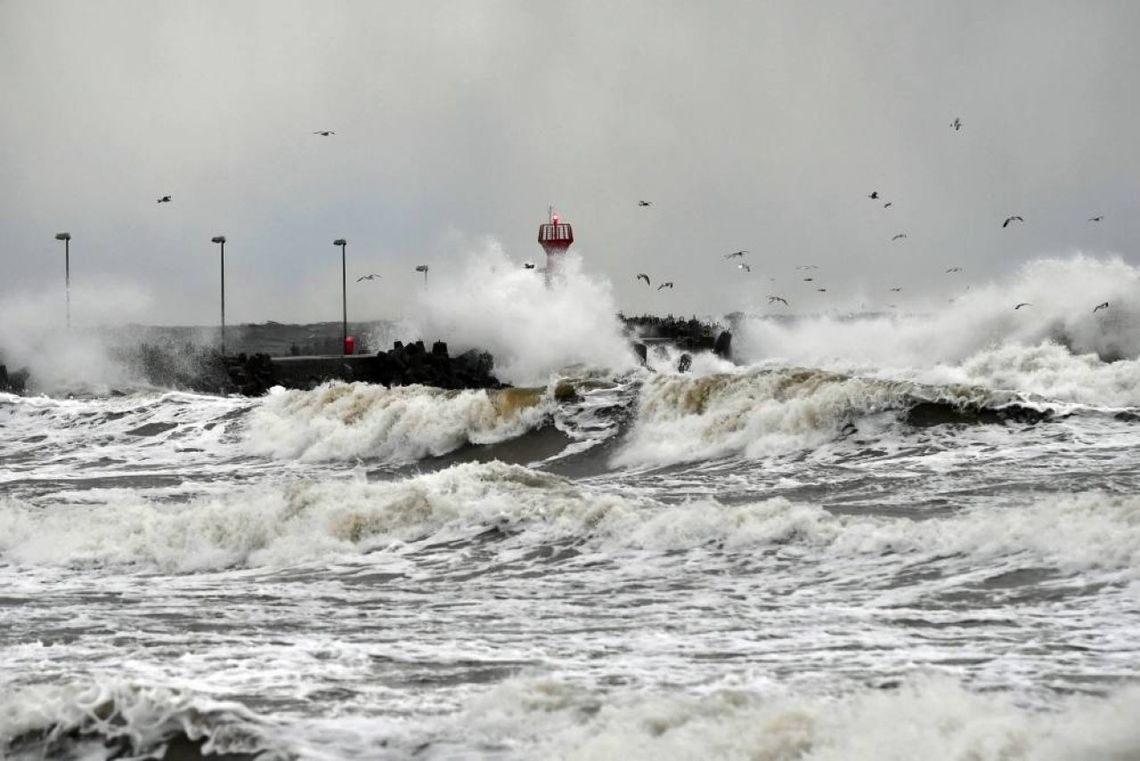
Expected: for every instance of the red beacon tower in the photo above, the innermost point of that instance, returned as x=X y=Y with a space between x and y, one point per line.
x=555 y=238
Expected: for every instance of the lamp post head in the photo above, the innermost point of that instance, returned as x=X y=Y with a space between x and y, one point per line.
x=218 y=239
x=63 y=236
x=340 y=242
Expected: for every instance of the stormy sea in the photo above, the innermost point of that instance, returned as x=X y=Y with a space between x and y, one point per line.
x=903 y=532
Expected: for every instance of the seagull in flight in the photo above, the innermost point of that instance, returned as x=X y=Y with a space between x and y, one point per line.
x=895 y=290
x=1014 y=218
x=668 y=284
x=421 y=268
x=165 y=199
x=822 y=290
x=900 y=236
x=643 y=276
x=774 y=299
x=738 y=254
x=808 y=279
x=372 y=276
x=1098 y=307
x=644 y=203
x=874 y=195
x=954 y=269
x=808 y=267
x=743 y=266
x=1022 y=304
x=956 y=124
x=528 y=265
x=1096 y=219
x=888 y=204
x=324 y=132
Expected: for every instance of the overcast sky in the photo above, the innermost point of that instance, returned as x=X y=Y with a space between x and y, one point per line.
x=756 y=125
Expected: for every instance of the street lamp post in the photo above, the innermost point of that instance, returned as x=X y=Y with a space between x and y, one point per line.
x=343 y=295
x=221 y=241
x=66 y=238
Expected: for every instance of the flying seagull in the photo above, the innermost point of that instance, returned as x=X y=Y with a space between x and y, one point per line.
x=900 y=236
x=644 y=203
x=1022 y=304
x=739 y=254
x=956 y=124
x=808 y=279
x=372 y=276
x=888 y=204
x=1100 y=306
x=822 y=290
x=1096 y=219
x=743 y=266
x=895 y=290
x=668 y=284
x=874 y=195
x=643 y=276
x=165 y=199
x=954 y=269
x=324 y=132
x=528 y=265
x=774 y=299
x=421 y=268
x=1014 y=218
x=808 y=267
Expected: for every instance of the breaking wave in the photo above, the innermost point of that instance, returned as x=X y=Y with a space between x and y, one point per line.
x=94 y=720
x=926 y=717
x=765 y=410
x=338 y=421
x=307 y=521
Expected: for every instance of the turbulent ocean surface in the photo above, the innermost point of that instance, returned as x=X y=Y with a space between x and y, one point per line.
x=871 y=537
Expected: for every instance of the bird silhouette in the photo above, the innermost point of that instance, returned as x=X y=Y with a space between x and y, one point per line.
x=808 y=267
x=895 y=290
x=644 y=203
x=808 y=279
x=1098 y=307
x=1022 y=304
x=324 y=132
x=165 y=199
x=743 y=266
x=1014 y=218
x=1096 y=219
x=888 y=204
x=954 y=269
x=739 y=254
x=874 y=195
x=421 y=268
x=643 y=276
x=668 y=284
x=372 y=276
x=774 y=299
x=900 y=236
x=528 y=265
x=822 y=290
x=956 y=124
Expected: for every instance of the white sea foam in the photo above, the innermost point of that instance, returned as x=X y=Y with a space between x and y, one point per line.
x=766 y=410
x=85 y=719
x=302 y=521
x=1053 y=347
x=929 y=718
x=338 y=421
x=492 y=303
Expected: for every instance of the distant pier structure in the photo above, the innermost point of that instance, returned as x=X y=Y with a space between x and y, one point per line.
x=555 y=238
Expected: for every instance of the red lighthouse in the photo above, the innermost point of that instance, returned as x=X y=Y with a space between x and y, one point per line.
x=555 y=238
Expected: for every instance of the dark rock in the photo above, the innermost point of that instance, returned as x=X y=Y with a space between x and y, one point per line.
x=723 y=346
x=684 y=363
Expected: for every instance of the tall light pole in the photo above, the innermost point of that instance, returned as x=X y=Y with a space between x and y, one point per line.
x=221 y=241
x=66 y=238
x=343 y=295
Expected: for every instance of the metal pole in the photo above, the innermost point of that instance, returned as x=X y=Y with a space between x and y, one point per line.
x=343 y=301
x=67 y=277
x=223 y=245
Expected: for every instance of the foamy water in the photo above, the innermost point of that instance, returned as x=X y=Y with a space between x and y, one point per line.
x=831 y=550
